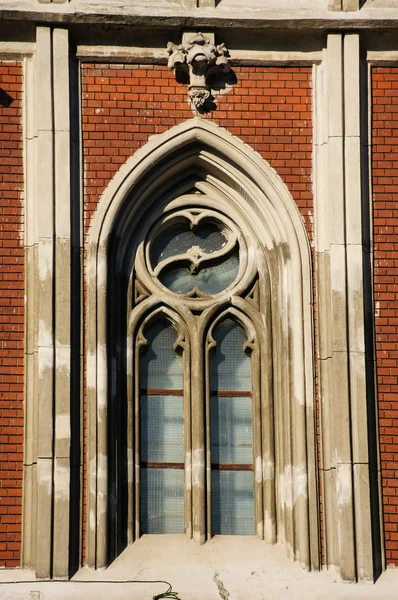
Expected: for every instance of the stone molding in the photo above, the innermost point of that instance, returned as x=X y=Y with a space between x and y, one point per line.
x=335 y=14
x=198 y=59
x=17 y=50
x=139 y=55
x=382 y=57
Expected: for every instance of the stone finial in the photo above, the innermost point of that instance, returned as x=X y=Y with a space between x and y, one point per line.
x=198 y=58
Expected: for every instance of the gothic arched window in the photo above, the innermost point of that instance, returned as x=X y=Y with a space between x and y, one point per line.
x=195 y=342
x=200 y=351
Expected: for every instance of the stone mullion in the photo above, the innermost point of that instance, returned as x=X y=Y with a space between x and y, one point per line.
x=267 y=414
x=198 y=438
x=187 y=358
x=132 y=388
x=257 y=438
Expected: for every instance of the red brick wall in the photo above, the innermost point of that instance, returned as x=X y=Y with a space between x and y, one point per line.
x=385 y=228
x=11 y=312
x=269 y=108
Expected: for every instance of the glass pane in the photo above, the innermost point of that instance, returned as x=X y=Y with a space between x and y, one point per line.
x=230 y=365
x=231 y=430
x=162 y=501
x=160 y=365
x=232 y=508
x=162 y=429
x=180 y=238
x=211 y=279
x=161 y=432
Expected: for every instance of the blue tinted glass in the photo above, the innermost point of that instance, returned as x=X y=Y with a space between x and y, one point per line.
x=212 y=279
x=162 y=501
x=231 y=430
x=160 y=365
x=162 y=429
x=232 y=507
x=230 y=365
x=180 y=238
x=161 y=432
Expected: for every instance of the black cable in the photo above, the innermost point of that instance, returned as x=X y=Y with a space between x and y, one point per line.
x=167 y=594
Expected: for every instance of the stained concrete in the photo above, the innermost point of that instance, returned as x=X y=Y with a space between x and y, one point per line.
x=230 y=568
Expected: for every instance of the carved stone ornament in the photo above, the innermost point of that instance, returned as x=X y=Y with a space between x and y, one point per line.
x=198 y=59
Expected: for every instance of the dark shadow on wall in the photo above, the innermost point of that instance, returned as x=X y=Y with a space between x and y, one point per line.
x=370 y=358
x=5 y=99
x=222 y=81
x=117 y=514
x=75 y=398
x=217 y=84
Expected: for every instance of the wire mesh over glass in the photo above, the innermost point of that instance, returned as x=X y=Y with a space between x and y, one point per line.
x=200 y=261
x=211 y=279
x=179 y=238
x=162 y=501
x=231 y=432
x=161 y=432
x=232 y=503
x=161 y=365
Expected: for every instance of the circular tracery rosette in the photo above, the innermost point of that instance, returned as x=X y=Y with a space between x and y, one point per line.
x=195 y=254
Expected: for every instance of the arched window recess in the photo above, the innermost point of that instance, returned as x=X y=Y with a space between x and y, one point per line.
x=238 y=433
x=159 y=408
x=196 y=264
x=198 y=247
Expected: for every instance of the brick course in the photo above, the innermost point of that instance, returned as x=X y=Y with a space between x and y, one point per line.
x=11 y=312
x=269 y=108
x=385 y=229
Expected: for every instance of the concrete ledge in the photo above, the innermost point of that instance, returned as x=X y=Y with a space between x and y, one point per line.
x=135 y=54
x=244 y=567
x=16 y=50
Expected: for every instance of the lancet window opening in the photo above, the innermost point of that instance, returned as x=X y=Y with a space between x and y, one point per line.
x=195 y=352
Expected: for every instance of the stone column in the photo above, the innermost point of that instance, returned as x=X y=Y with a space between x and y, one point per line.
x=47 y=193
x=342 y=373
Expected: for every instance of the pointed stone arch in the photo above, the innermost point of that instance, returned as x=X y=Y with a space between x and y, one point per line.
x=199 y=151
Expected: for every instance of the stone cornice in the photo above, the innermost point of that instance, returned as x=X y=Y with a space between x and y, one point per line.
x=109 y=14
